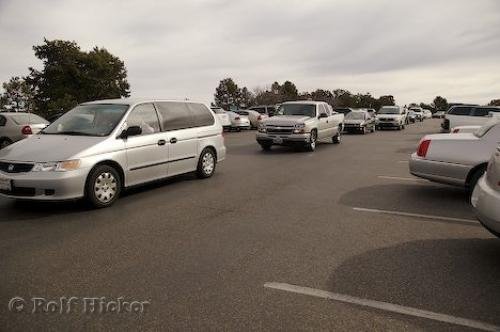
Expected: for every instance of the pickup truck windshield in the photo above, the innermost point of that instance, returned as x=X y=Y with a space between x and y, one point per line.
x=298 y=109
x=88 y=120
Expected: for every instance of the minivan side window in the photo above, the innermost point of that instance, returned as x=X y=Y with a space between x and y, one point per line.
x=144 y=116
x=174 y=115
x=460 y=111
x=3 y=120
x=201 y=115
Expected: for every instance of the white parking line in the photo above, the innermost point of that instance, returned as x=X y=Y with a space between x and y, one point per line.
x=400 y=178
x=417 y=215
x=385 y=306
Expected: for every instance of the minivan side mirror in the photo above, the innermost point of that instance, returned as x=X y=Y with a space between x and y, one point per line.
x=131 y=131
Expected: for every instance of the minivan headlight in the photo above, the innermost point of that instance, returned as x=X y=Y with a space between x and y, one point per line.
x=61 y=166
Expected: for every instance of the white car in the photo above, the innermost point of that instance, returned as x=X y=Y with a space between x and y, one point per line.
x=486 y=196
x=465 y=115
x=223 y=117
x=238 y=121
x=254 y=117
x=470 y=129
x=15 y=126
x=455 y=159
x=391 y=117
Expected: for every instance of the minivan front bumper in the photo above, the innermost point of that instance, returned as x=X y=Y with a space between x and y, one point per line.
x=46 y=186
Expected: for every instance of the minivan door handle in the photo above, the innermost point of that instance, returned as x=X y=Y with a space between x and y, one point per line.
x=162 y=142
x=173 y=140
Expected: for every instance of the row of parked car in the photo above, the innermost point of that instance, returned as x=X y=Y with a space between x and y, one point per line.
x=468 y=156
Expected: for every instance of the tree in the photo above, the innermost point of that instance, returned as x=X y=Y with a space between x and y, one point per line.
x=494 y=102
x=247 y=98
x=322 y=95
x=227 y=94
x=342 y=98
x=17 y=96
x=71 y=76
x=440 y=103
x=386 y=100
x=288 y=91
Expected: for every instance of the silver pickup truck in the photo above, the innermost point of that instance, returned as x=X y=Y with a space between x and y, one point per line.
x=301 y=124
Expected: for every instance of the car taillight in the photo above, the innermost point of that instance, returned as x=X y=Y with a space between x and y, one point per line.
x=423 y=148
x=26 y=130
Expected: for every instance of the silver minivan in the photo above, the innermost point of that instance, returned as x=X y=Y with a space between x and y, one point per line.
x=99 y=148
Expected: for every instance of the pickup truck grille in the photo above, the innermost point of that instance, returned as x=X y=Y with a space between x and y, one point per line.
x=15 y=167
x=279 y=130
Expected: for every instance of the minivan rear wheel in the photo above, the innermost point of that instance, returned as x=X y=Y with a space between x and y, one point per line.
x=103 y=186
x=206 y=164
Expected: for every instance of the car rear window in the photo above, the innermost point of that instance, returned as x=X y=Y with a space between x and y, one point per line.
x=27 y=118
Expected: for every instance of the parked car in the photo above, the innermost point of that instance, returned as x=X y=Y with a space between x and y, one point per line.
x=466 y=115
x=455 y=159
x=254 y=117
x=268 y=110
x=439 y=115
x=359 y=121
x=15 y=126
x=238 y=121
x=391 y=117
x=301 y=124
x=419 y=113
x=427 y=114
x=412 y=116
x=223 y=117
x=486 y=196
x=100 y=148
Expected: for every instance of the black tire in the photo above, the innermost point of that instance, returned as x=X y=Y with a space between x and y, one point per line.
x=474 y=178
x=337 y=139
x=4 y=142
x=311 y=145
x=403 y=126
x=103 y=195
x=206 y=164
x=266 y=146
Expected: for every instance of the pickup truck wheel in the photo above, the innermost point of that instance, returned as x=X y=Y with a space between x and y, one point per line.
x=337 y=138
x=266 y=146
x=311 y=146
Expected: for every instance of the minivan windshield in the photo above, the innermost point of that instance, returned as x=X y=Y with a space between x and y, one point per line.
x=88 y=120
x=298 y=109
x=389 y=110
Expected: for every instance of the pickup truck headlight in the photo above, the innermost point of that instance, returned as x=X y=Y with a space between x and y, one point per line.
x=262 y=128
x=61 y=166
x=299 y=129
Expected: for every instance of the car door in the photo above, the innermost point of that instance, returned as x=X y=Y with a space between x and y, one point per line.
x=182 y=136
x=323 y=122
x=147 y=153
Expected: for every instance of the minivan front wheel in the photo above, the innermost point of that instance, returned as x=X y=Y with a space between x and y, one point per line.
x=206 y=164
x=103 y=186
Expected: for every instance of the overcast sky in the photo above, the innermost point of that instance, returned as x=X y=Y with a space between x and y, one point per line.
x=413 y=50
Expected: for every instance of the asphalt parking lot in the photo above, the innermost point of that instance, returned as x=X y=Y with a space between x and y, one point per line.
x=347 y=224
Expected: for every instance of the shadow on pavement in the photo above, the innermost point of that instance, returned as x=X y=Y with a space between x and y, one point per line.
x=459 y=277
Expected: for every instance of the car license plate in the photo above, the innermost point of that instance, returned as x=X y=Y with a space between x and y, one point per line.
x=278 y=140
x=5 y=184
